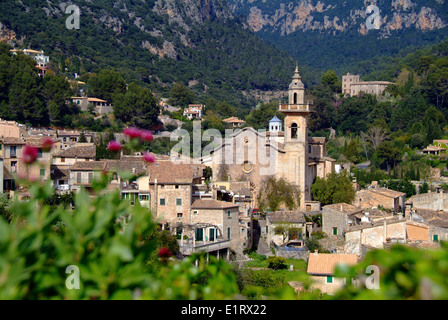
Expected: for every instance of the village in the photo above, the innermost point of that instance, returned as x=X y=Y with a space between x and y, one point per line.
x=221 y=217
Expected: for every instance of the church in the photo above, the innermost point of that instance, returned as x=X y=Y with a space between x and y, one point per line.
x=250 y=155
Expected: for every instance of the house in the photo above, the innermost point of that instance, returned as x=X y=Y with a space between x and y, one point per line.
x=437 y=201
x=99 y=106
x=289 y=219
x=11 y=129
x=375 y=197
x=194 y=111
x=321 y=268
x=171 y=190
x=337 y=218
x=379 y=235
x=83 y=174
x=433 y=150
x=235 y=122
x=437 y=223
x=41 y=59
x=68 y=138
x=134 y=190
x=78 y=152
x=212 y=226
x=11 y=150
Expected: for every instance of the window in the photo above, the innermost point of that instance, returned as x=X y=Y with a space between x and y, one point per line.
x=435 y=238
x=40 y=154
x=62 y=160
x=329 y=279
x=180 y=214
x=78 y=177
x=335 y=231
x=228 y=233
x=195 y=212
x=162 y=202
x=178 y=201
x=229 y=214
x=294 y=129
x=144 y=197
x=90 y=177
x=212 y=234
x=42 y=172
x=12 y=150
x=177 y=187
x=199 y=234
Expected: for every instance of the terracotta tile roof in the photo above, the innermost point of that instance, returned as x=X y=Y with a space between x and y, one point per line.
x=78 y=151
x=89 y=166
x=389 y=192
x=317 y=140
x=286 y=216
x=344 y=208
x=433 y=217
x=60 y=172
x=13 y=141
x=325 y=264
x=136 y=165
x=168 y=172
x=212 y=204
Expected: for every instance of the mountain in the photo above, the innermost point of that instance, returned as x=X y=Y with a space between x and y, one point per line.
x=200 y=43
x=335 y=34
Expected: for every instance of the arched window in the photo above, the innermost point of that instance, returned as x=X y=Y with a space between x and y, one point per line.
x=294 y=129
x=295 y=98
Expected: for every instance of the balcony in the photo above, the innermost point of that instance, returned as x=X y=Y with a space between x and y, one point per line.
x=63 y=187
x=190 y=247
x=296 y=108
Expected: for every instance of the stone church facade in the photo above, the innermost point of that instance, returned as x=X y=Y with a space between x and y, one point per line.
x=250 y=155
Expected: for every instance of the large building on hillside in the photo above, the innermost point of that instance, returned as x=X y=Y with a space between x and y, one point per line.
x=250 y=155
x=352 y=86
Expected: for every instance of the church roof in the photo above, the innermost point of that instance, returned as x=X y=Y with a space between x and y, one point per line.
x=275 y=119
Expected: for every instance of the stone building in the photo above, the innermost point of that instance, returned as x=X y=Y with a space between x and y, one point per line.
x=288 y=219
x=428 y=201
x=253 y=156
x=351 y=85
x=347 y=81
x=337 y=218
x=321 y=268
x=359 y=239
x=376 y=197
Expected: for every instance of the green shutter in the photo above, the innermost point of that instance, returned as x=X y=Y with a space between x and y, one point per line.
x=436 y=238
x=329 y=279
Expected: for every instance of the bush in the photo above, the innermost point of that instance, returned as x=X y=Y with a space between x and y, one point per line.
x=113 y=257
x=276 y=263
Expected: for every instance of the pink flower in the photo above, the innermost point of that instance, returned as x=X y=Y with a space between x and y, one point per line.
x=165 y=253
x=132 y=133
x=47 y=144
x=30 y=154
x=146 y=136
x=149 y=158
x=114 y=146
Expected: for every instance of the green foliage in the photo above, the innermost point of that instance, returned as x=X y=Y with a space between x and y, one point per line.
x=181 y=96
x=336 y=188
x=39 y=244
x=137 y=107
x=405 y=274
x=276 y=263
x=275 y=192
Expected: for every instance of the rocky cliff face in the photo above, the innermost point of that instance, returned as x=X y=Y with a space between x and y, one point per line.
x=330 y=17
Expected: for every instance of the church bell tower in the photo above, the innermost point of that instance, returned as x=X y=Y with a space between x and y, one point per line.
x=297 y=112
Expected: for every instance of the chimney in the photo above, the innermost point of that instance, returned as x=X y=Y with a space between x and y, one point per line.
x=316 y=252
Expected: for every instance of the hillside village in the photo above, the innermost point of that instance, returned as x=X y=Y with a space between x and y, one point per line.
x=219 y=214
